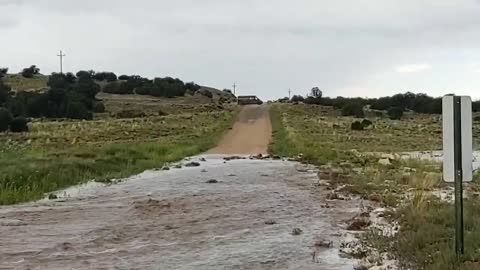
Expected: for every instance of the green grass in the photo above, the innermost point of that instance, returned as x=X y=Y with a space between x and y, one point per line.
x=426 y=237
x=56 y=155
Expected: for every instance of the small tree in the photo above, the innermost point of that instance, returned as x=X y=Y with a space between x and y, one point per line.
x=5 y=119
x=395 y=113
x=3 y=72
x=30 y=71
x=19 y=124
x=353 y=109
x=316 y=92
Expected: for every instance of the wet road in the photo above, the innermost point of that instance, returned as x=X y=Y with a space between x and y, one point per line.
x=176 y=220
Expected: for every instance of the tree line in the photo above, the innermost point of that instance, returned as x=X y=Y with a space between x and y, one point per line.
x=69 y=96
x=73 y=95
x=158 y=87
x=395 y=105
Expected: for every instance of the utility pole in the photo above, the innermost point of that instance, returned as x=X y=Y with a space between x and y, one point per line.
x=289 y=93
x=61 y=55
x=234 y=89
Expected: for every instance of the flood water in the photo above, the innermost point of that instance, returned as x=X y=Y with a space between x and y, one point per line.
x=176 y=220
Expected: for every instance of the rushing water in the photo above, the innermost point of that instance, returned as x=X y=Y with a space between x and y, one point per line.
x=176 y=220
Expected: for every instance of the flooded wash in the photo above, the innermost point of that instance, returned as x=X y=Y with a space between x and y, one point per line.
x=238 y=214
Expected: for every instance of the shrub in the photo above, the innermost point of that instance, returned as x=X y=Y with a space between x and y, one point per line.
x=207 y=93
x=297 y=98
x=19 y=124
x=395 y=113
x=366 y=123
x=120 y=88
x=124 y=77
x=77 y=110
x=3 y=72
x=313 y=100
x=5 y=92
x=353 y=109
x=357 y=126
x=86 y=74
x=5 y=119
x=30 y=71
x=99 y=107
x=105 y=76
x=70 y=78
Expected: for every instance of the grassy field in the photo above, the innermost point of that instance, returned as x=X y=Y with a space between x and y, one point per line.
x=426 y=236
x=55 y=155
x=19 y=83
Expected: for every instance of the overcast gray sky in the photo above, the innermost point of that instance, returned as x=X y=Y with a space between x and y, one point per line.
x=345 y=47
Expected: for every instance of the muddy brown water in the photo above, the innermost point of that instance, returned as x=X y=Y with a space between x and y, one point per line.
x=176 y=220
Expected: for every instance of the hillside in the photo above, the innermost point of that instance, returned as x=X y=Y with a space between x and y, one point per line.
x=203 y=99
x=19 y=83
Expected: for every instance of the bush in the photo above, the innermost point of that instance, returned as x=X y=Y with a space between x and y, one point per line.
x=297 y=98
x=353 y=109
x=30 y=72
x=313 y=100
x=5 y=92
x=206 y=93
x=105 y=76
x=77 y=110
x=357 y=126
x=99 y=107
x=5 y=119
x=3 y=72
x=366 y=123
x=86 y=74
x=124 y=77
x=395 y=113
x=19 y=124
x=120 y=88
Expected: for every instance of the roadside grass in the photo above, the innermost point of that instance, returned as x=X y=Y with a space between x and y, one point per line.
x=55 y=155
x=347 y=158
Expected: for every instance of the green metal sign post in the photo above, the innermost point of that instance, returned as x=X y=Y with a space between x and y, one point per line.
x=457 y=155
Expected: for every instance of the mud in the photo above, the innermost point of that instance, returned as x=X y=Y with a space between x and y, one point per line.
x=176 y=220
x=251 y=134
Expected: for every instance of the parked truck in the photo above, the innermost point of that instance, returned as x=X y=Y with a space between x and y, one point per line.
x=247 y=100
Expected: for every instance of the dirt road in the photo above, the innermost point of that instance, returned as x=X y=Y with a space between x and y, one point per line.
x=251 y=134
x=238 y=214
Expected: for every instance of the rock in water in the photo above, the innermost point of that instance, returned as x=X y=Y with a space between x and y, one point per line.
x=212 y=181
x=270 y=222
x=192 y=164
x=297 y=231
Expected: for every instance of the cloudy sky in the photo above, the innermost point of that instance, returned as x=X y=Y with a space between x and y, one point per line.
x=345 y=47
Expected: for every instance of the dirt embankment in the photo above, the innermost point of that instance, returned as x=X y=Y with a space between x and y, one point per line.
x=251 y=134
